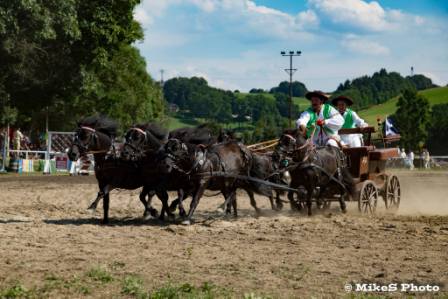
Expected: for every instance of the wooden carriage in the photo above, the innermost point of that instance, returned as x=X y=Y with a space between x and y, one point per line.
x=367 y=165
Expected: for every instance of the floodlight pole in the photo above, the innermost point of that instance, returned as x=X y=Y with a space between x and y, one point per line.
x=291 y=72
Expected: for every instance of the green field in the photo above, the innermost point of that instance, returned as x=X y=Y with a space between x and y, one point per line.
x=438 y=95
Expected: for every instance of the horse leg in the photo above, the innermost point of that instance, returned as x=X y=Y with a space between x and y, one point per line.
x=342 y=204
x=309 y=198
x=94 y=204
x=163 y=196
x=197 y=194
x=294 y=205
x=278 y=201
x=253 y=203
x=227 y=201
x=180 y=198
x=234 y=204
x=150 y=212
x=174 y=204
x=106 y=205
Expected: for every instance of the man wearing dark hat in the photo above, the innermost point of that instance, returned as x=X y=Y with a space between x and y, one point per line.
x=351 y=120
x=321 y=120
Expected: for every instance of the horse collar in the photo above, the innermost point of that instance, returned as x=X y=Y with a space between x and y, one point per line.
x=88 y=129
x=140 y=131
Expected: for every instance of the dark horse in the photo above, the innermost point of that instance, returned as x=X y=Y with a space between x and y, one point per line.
x=142 y=146
x=195 y=167
x=95 y=135
x=320 y=170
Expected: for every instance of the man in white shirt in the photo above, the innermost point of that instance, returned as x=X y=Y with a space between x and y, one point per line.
x=351 y=120
x=411 y=158
x=321 y=119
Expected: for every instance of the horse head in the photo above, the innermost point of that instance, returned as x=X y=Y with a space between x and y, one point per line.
x=173 y=155
x=291 y=146
x=93 y=135
x=142 y=140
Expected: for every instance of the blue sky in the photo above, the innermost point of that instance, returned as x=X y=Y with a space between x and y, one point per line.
x=236 y=44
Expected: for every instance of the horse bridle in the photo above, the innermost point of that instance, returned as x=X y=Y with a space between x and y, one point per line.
x=84 y=148
x=197 y=162
x=135 y=148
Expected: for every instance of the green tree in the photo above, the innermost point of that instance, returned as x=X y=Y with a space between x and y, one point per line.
x=412 y=117
x=298 y=88
x=438 y=133
x=421 y=82
x=55 y=53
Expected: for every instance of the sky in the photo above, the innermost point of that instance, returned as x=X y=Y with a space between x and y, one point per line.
x=236 y=44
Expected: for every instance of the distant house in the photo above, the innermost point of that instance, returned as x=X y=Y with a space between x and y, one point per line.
x=173 y=108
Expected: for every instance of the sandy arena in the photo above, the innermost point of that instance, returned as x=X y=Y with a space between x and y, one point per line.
x=51 y=246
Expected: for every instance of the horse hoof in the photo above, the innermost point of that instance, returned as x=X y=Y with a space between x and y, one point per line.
x=147 y=217
x=186 y=222
x=220 y=210
x=91 y=210
x=154 y=213
x=171 y=217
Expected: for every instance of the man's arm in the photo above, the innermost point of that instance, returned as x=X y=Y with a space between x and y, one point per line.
x=336 y=121
x=359 y=122
x=303 y=120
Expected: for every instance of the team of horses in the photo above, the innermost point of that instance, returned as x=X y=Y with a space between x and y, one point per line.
x=192 y=160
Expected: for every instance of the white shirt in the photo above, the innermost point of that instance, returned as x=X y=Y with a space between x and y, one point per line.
x=334 y=123
x=358 y=121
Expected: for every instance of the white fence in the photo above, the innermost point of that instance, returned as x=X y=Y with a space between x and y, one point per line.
x=53 y=159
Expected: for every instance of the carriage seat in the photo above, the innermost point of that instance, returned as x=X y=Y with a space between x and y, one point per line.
x=383 y=154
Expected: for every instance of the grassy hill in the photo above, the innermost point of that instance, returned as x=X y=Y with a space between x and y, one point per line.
x=302 y=103
x=438 y=95
x=435 y=96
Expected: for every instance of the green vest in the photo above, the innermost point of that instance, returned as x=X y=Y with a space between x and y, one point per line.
x=348 y=120
x=313 y=118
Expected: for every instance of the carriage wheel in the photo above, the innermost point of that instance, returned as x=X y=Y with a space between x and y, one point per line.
x=368 y=198
x=393 y=193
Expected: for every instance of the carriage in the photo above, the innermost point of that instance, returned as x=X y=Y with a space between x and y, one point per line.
x=367 y=165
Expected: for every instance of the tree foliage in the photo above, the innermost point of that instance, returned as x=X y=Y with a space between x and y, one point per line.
x=56 y=54
x=438 y=133
x=412 y=118
x=421 y=82
x=298 y=88
x=380 y=87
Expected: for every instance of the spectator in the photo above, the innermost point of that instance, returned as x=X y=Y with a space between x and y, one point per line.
x=18 y=136
x=403 y=158
x=411 y=158
x=427 y=159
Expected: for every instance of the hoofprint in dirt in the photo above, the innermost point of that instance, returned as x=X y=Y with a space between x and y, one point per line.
x=52 y=246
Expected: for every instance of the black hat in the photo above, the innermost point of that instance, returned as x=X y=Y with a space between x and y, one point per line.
x=346 y=99
x=317 y=94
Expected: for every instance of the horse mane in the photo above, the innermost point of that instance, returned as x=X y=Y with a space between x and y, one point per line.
x=201 y=134
x=100 y=123
x=155 y=129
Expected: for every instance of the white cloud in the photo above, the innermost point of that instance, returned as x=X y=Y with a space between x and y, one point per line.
x=358 y=14
x=258 y=19
x=363 y=46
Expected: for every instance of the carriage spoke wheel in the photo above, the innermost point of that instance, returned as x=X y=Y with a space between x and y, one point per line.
x=368 y=198
x=393 y=193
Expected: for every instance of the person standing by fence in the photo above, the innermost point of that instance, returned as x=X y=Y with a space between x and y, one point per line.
x=426 y=159
x=411 y=158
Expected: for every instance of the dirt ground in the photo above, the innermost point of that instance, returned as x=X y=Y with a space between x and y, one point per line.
x=51 y=246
